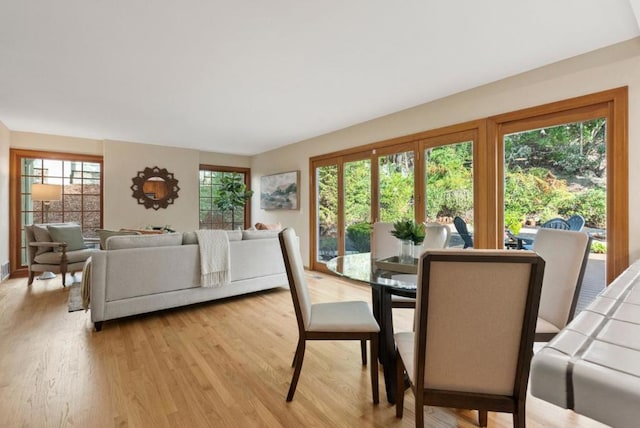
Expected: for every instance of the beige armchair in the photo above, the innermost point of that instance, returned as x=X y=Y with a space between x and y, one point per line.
x=55 y=247
x=475 y=324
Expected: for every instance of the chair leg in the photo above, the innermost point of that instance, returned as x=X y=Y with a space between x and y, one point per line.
x=64 y=278
x=419 y=397
x=519 y=415
x=363 y=351
x=374 y=368
x=32 y=274
x=482 y=418
x=295 y=354
x=399 y=386
x=296 y=372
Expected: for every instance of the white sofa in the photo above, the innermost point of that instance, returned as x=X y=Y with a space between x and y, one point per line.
x=144 y=273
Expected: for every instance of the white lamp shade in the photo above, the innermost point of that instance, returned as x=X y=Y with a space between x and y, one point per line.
x=46 y=192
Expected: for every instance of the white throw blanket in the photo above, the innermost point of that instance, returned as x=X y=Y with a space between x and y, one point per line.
x=215 y=261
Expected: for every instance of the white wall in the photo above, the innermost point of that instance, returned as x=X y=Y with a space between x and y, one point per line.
x=55 y=143
x=4 y=194
x=608 y=68
x=122 y=161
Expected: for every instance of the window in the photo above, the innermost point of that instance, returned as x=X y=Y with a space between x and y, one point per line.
x=80 y=179
x=212 y=217
x=472 y=170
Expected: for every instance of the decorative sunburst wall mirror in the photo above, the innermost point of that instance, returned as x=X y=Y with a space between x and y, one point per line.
x=155 y=188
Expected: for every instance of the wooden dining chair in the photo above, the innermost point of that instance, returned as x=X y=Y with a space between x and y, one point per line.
x=566 y=254
x=385 y=245
x=473 y=341
x=326 y=321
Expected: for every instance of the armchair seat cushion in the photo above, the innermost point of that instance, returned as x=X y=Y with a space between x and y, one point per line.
x=53 y=258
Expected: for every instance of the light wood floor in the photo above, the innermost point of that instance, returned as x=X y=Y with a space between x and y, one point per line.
x=220 y=364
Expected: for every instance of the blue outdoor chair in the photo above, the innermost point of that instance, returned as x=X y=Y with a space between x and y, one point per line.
x=461 y=227
x=554 y=223
x=576 y=222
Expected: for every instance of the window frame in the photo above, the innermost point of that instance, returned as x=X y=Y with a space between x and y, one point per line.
x=488 y=167
x=247 y=182
x=15 y=197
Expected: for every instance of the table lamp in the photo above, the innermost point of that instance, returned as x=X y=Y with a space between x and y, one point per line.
x=46 y=193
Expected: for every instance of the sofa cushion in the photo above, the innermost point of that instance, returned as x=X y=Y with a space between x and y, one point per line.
x=143 y=241
x=259 y=234
x=71 y=234
x=103 y=234
x=190 y=238
x=41 y=234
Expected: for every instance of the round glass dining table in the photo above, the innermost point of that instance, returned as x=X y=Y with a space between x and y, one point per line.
x=361 y=268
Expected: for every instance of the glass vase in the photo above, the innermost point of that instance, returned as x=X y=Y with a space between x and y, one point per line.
x=406 y=251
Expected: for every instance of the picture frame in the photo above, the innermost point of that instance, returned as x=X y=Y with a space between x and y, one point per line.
x=280 y=191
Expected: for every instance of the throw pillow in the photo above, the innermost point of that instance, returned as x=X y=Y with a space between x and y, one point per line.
x=264 y=226
x=41 y=234
x=103 y=234
x=71 y=234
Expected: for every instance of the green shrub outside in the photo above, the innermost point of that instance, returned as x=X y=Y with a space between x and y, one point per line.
x=359 y=237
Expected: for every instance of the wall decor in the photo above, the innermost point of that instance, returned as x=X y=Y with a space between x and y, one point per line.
x=155 y=188
x=280 y=191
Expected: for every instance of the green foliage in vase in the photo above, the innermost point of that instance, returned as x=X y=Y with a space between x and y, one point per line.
x=409 y=230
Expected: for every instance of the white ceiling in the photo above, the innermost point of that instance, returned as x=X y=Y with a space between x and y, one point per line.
x=246 y=76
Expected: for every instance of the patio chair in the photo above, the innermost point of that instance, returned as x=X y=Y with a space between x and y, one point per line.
x=555 y=223
x=471 y=350
x=576 y=222
x=566 y=254
x=326 y=321
x=461 y=227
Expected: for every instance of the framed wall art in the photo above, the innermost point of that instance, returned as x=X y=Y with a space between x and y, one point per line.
x=280 y=191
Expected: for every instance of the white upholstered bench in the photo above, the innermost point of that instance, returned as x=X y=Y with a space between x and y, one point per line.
x=593 y=365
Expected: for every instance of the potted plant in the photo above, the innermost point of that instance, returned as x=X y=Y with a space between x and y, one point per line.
x=231 y=193
x=411 y=234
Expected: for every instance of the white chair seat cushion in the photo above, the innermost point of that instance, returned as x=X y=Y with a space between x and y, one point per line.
x=342 y=316
x=543 y=326
x=405 y=342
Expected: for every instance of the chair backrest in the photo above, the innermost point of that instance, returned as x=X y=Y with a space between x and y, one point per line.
x=476 y=315
x=385 y=245
x=461 y=227
x=295 y=274
x=556 y=223
x=436 y=236
x=576 y=222
x=566 y=254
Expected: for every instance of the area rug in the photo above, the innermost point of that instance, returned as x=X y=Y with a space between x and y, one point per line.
x=75 y=298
